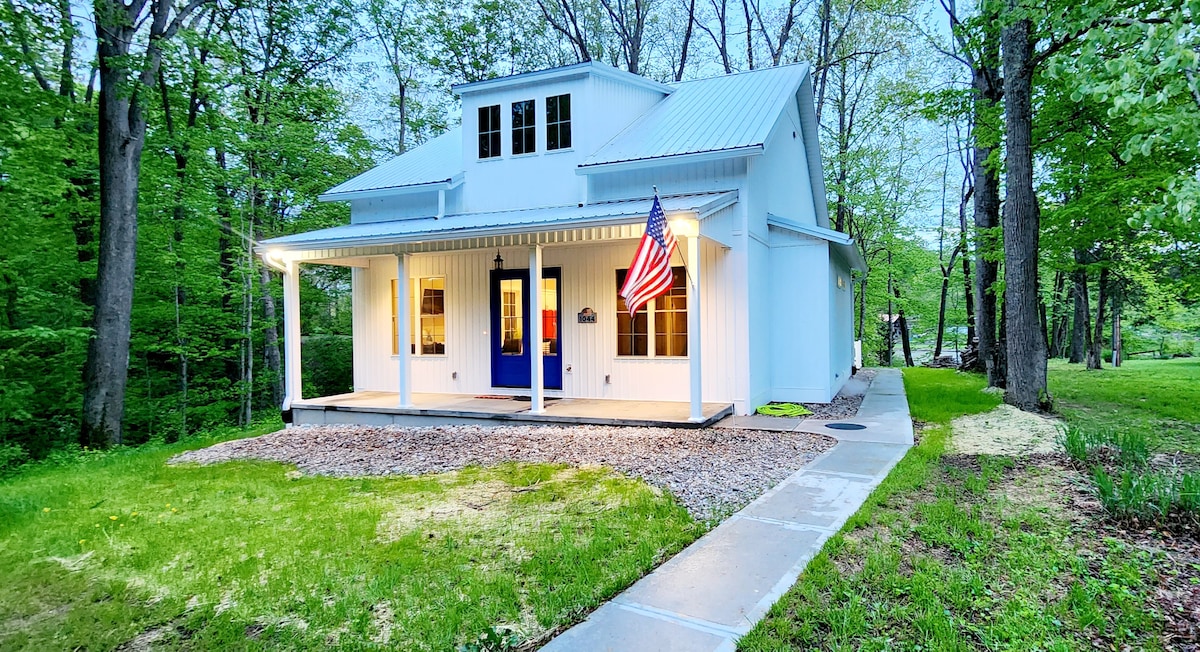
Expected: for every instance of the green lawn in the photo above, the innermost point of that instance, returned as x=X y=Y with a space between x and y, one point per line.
x=967 y=553
x=254 y=556
x=1160 y=396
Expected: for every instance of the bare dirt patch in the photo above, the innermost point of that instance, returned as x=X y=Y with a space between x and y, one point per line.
x=709 y=470
x=1004 y=431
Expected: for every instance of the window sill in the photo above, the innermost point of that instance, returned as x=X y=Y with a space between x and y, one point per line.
x=646 y=358
x=490 y=159
x=396 y=356
x=523 y=155
x=565 y=150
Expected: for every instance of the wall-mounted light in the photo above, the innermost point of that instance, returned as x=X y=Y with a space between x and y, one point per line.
x=498 y=262
x=685 y=227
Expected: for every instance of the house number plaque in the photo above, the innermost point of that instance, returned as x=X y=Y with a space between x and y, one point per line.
x=587 y=316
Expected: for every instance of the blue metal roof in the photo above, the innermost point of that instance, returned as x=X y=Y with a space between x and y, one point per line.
x=498 y=222
x=729 y=112
x=436 y=161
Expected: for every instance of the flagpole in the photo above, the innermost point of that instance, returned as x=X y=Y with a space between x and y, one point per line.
x=682 y=258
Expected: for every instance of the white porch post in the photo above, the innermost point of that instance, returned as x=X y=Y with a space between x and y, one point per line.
x=693 y=326
x=536 y=391
x=403 y=330
x=291 y=334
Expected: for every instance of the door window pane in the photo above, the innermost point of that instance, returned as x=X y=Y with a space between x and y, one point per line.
x=549 y=316
x=511 y=322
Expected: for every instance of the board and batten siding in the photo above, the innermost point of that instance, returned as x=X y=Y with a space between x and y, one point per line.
x=589 y=350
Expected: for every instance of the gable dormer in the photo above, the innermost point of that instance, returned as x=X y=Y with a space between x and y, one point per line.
x=524 y=135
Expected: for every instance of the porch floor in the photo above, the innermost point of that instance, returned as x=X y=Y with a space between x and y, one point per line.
x=380 y=408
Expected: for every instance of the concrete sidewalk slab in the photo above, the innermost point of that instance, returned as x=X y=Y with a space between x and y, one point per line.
x=723 y=580
x=866 y=459
x=814 y=499
x=714 y=591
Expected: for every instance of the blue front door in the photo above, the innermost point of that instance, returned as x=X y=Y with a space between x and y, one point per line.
x=510 y=328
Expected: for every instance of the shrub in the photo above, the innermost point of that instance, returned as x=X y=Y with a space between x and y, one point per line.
x=11 y=457
x=1133 y=447
x=1130 y=447
x=1077 y=442
x=1150 y=497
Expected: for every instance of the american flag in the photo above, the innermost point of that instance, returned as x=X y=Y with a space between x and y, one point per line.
x=649 y=274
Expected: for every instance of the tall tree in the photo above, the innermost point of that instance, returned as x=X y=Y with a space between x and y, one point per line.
x=1026 y=379
x=124 y=82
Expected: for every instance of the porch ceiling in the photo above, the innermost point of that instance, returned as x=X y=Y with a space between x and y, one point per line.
x=556 y=225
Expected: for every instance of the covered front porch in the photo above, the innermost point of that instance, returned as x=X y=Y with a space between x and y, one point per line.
x=382 y=408
x=457 y=318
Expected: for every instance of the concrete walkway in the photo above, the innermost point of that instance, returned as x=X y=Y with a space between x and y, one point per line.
x=715 y=590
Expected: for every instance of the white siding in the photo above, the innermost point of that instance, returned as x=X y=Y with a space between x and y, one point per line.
x=800 y=327
x=589 y=280
x=785 y=166
x=841 y=323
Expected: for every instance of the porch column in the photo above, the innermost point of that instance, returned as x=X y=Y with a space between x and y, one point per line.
x=693 y=326
x=536 y=391
x=291 y=333
x=403 y=330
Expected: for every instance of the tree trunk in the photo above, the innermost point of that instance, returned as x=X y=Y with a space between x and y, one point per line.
x=987 y=218
x=1025 y=340
x=1095 y=353
x=271 y=353
x=1116 y=328
x=905 y=339
x=1058 y=325
x=1080 y=331
x=121 y=138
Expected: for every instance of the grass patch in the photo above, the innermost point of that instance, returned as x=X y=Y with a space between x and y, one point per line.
x=961 y=552
x=1158 y=397
x=122 y=547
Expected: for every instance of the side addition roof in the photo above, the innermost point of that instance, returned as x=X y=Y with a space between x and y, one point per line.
x=726 y=113
x=435 y=162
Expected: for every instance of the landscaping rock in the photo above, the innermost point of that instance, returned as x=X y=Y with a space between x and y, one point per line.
x=709 y=470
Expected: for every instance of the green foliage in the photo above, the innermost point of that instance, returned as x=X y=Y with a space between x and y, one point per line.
x=940 y=395
x=328 y=365
x=939 y=557
x=1146 y=67
x=1149 y=498
x=1157 y=398
x=495 y=639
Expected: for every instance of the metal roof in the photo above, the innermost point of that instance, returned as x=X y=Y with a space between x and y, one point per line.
x=839 y=240
x=498 y=222
x=560 y=73
x=436 y=161
x=729 y=112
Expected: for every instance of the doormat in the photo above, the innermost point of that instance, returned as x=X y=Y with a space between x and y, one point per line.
x=495 y=397
x=529 y=399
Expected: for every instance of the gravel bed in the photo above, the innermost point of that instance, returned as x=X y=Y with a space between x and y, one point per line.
x=708 y=470
x=845 y=405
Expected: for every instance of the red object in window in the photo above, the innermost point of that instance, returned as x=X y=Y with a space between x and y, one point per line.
x=549 y=324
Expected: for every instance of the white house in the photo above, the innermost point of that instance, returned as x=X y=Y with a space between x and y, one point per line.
x=547 y=184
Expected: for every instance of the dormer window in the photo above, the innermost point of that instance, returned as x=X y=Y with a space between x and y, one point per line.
x=489 y=131
x=524 y=128
x=558 y=122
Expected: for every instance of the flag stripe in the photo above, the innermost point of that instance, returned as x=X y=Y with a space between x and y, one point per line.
x=649 y=275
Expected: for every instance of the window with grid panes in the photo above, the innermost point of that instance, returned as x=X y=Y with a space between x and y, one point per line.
x=489 y=131
x=663 y=321
x=558 y=122
x=430 y=333
x=524 y=127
